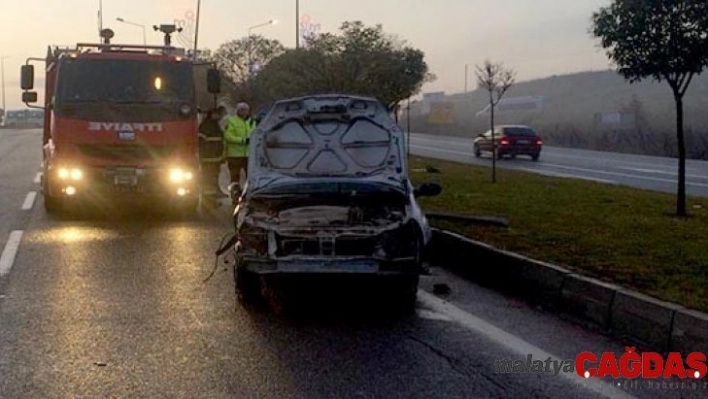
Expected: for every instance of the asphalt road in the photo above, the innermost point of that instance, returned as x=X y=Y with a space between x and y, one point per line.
x=644 y=172
x=115 y=306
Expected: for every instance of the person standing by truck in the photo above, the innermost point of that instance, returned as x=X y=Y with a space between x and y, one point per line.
x=236 y=136
x=211 y=152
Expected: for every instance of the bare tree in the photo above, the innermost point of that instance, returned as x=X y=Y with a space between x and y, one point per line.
x=496 y=80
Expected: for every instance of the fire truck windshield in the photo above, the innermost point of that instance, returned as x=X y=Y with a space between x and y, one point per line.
x=124 y=81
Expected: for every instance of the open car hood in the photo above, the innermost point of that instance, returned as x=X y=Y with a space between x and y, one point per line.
x=327 y=137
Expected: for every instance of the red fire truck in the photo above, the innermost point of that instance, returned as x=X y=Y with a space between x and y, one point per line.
x=120 y=122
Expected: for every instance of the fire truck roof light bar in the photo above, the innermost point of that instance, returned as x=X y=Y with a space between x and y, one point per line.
x=124 y=46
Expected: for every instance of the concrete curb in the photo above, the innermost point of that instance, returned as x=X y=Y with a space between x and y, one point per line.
x=471 y=219
x=643 y=320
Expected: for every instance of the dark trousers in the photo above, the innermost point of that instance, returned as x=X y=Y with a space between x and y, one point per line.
x=235 y=166
x=210 y=177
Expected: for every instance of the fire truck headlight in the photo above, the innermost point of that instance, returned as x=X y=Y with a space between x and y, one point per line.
x=178 y=175
x=185 y=109
x=73 y=174
x=76 y=174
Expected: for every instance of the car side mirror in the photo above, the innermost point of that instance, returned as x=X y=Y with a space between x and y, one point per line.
x=427 y=190
x=213 y=81
x=27 y=77
x=29 y=97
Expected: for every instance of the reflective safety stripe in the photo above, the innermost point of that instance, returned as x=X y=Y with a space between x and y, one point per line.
x=211 y=160
x=211 y=138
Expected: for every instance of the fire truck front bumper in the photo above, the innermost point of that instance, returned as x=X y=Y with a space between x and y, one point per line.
x=123 y=181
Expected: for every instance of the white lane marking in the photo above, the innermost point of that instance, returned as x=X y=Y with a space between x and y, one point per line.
x=512 y=343
x=427 y=314
x=8 y=254
x=441 y=150
x=38 y=178
x=673 y=181
x=664 y=172
x=29 y=200
x=567 y=175
x=699 y=165
x=688 y=184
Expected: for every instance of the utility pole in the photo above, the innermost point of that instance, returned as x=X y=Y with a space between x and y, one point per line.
x=196 y=29
x=100 y=19
x=467 y=74
x=2 y=72
x=408 y=123
x=297 y=24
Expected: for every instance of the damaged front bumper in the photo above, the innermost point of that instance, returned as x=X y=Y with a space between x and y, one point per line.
x=315 y=265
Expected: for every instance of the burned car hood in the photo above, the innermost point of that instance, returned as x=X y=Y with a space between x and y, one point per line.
x=327 y=137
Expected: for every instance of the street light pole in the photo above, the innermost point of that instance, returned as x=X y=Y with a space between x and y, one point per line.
x=2 y=72
x=196 y=29
x=250 y=41
x=135 y=24
x=467 y=74
x=297 y=24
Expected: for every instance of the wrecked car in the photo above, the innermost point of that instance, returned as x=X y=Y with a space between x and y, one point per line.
x=328 y=192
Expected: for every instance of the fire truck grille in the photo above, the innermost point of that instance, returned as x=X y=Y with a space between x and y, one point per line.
x=119 y=153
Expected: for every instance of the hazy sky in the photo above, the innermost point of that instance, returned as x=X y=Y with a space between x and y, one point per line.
x=537 y=37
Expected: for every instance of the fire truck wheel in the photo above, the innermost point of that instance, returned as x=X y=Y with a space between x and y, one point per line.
x=188 y=206
x=51 y=204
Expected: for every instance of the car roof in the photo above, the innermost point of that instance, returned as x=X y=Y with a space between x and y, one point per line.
x=515 y=126
x=333 y=96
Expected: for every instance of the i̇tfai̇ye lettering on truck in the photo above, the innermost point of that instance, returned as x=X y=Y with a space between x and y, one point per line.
x=120 y=122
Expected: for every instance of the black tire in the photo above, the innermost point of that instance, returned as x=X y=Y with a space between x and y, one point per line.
x=405 y=292
x=535 y=157
x=500 y=155
x=248 y=286
x=186 y=206
x=52 y=205
x=477 y=151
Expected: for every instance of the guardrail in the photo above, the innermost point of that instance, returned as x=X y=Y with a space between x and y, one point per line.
x=645 y=321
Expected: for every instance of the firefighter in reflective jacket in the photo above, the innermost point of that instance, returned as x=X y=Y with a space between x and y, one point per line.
x=211 y=152
x=236 y=137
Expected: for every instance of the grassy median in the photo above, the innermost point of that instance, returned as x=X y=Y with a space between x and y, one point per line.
x=616 y=234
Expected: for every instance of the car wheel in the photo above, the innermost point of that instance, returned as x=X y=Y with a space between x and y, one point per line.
x=535 y=157
x=248 y=286
x=405 y=289
x=477 y=151
x=500 y=155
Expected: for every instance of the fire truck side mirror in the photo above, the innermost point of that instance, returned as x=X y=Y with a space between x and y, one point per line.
x=27 y=77
x=29 y=97
x=213 y=81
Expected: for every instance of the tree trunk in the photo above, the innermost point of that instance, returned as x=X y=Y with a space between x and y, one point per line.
x=681 y=197
x=494 y=144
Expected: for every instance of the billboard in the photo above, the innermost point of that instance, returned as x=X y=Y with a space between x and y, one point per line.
x=429 y=98
x=442 y=113
x=516 y=104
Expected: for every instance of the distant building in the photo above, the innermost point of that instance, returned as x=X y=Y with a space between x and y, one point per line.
x=24 y=118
